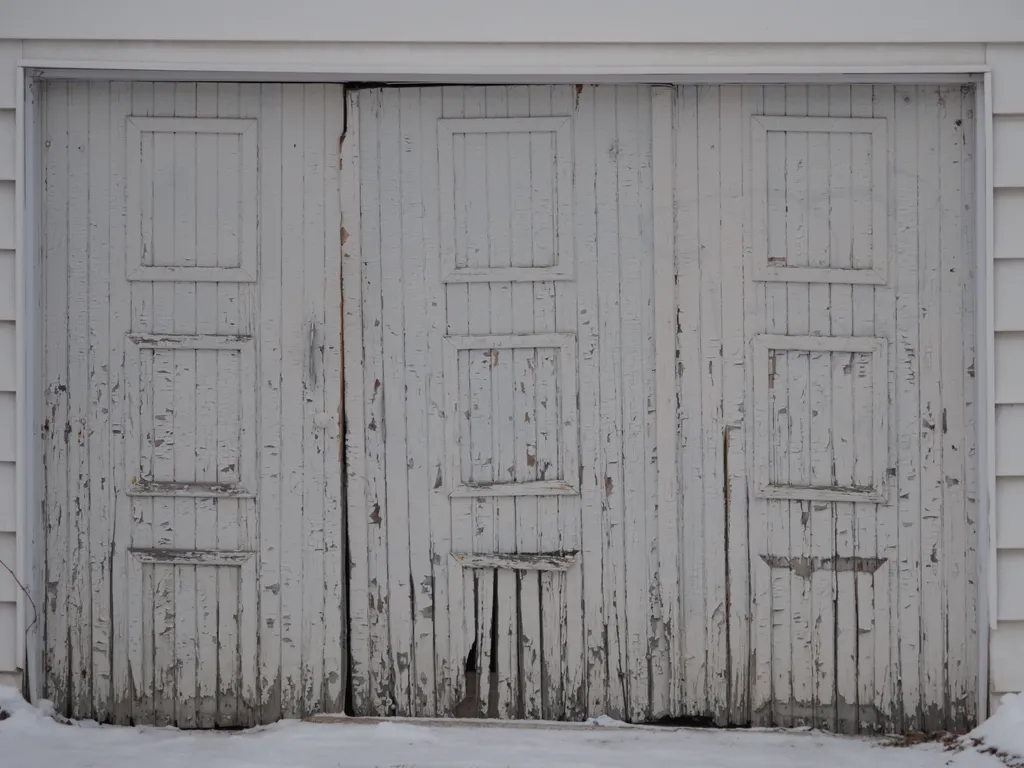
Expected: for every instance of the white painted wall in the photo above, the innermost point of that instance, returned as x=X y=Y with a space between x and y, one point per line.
x=804 y=35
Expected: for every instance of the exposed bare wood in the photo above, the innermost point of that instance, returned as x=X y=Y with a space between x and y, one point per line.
x=518 y=561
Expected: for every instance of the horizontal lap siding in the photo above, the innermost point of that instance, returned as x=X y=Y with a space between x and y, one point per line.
x=9 y=663
x=1007 y=671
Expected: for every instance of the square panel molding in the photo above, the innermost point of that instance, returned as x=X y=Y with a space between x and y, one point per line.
x=770 y=267
x=452 y=241
x=764 y=382
x=141 y=380
x=146 y=174
x=567 y=482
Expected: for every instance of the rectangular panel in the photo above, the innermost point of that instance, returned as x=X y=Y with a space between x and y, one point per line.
x=1007 y=671
x=1010 y=512
x=1009 y=282
x=7 y=144
x=8 y=510
x=8 y=283
x=1008 y=137
x=1009 y=577
x=780 y=205
x=1008 y=205
x=1009 y=451
x=546 y=201
x=476 y=403
x=155 y=363
x=7 y=215
x=1009 y=362
x=166 y=239
x=864 y=360
x=8 y=358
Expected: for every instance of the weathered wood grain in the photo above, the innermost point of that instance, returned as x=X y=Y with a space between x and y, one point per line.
x=164 y=422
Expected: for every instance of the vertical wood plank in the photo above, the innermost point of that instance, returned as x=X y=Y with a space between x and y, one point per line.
x=783 y=424
x=885 y=580
x=335 y=641
x=667 y=652
x=480 y=384
x=230 y=319
x=58 y=499
x=101 y=484
x=502 y=406
x=610 y=376
x=163 y=576
x=378 y=700
x=313 y=448
x=929 y=214
x=548 y=412
x=645 y=191
x=140 y=419
x=734 y=241
x=693 y=628
x=80 y=597
x=592 y=483
x=713 y=503
x=122 y=693
x=842 y=196
x=206 y=410
x=439 y=506
x=868 y=620
x=356 y=463
x=294 y=343
x=952 y=277
x=524 y=412
x=248 y=589
x=485 y=578
x=415 y=300
x=547 y=407
x=631 y=253
x=828 y=224
x=399 y=602
x=799 y=407
x=961 y=683
x=461 y=590
x=563 y=102
x=184 y=417
x=760 y=683
x=908 y=414
x=272 y=276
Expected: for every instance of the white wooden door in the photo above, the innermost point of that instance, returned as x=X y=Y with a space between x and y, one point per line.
x=501 y=469
x=663 y=404
x=193 y=498
x=843 y=411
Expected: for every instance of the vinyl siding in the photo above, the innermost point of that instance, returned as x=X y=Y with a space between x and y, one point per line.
x=10 y=52
x=1006 y=670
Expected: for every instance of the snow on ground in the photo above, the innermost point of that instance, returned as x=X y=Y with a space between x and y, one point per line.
x=29 y=737
x=1003 y=733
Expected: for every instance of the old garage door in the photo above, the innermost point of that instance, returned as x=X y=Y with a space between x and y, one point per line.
x=193 y=485
x=663 y=404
